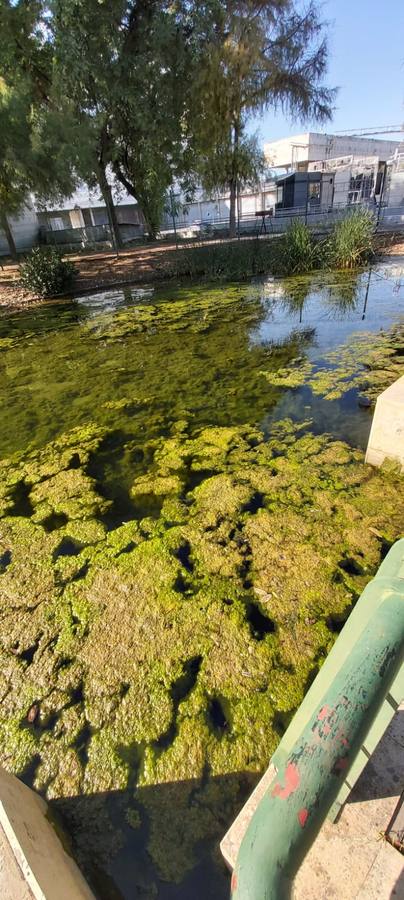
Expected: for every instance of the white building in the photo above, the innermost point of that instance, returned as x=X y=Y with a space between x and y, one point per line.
x=298 y=151
x=86 y=209
x=25 y=229
x=356 y=178
x=215 y=210
x=395 y=181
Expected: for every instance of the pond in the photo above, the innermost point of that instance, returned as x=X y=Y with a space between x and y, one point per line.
x=186 y=522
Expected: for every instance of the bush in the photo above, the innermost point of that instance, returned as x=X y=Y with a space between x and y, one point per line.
x=351 y=242
x=45 y=273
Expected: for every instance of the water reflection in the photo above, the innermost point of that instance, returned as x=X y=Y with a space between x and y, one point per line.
x=336 y=304
x=139 y=359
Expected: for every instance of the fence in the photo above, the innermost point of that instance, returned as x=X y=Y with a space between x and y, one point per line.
x=327 y=204
x=88 y=236
x=320 y=220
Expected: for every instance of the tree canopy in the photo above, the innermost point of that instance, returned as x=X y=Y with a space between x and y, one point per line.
x=257 y=55
x=148 y=92
x=34 y=155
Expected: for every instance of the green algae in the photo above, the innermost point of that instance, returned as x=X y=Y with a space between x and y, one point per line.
x=227 y=600
x=172 y=575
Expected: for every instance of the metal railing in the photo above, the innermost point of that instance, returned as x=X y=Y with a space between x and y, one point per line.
x=354 y=695
x=320 y=219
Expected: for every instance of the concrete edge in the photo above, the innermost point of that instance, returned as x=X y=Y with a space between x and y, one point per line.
x=49 y=872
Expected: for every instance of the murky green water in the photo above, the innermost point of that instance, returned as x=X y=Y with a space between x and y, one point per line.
x=151 y=612
x=194 y=354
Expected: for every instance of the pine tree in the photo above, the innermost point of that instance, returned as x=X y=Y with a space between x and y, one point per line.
x=252 y=55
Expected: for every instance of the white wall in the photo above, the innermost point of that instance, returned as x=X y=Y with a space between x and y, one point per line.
x=396 y=190
x=25 y=228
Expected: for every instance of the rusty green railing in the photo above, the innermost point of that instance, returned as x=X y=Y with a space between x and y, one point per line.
x=349 y=704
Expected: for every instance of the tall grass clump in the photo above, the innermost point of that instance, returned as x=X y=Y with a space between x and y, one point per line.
x=300 y=252
x=351 y=242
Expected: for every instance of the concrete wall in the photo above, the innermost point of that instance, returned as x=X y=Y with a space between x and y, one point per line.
x=25 y=229
x=395 y=192
x=31 y=847
x=311 y=146
x=386 y=439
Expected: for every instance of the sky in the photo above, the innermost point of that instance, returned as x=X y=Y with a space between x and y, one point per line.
x=366 y=63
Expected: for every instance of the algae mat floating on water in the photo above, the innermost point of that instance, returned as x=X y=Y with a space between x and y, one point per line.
x=175 y=562
x=149 y=670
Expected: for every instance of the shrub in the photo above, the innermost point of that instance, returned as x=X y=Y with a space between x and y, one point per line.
x=351 y=242
x=45 y=273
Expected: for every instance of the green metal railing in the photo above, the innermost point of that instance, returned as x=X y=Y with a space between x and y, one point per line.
x=327 y=744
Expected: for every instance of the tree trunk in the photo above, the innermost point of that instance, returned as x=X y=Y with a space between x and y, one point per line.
x=151 y=226
x=234 y=181
x=232 y=217
x=9 y=236
x=111 y=211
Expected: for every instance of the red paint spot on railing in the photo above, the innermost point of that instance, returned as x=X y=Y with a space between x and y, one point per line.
x=302 y=816
x=341 y=764
x=292 y=781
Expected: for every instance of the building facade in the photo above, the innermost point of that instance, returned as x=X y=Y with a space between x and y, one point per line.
x=298 y=151
x=83 y=216
x=25 y=229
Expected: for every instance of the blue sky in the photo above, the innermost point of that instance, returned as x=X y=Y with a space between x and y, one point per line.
x=367 y=64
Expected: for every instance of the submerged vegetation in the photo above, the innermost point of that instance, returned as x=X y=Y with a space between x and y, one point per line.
x=172 y=573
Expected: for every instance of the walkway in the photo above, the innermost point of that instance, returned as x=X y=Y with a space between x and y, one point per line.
x=351 y=860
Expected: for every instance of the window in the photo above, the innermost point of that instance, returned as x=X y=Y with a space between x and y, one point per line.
x=56 y=224
x=314 y=192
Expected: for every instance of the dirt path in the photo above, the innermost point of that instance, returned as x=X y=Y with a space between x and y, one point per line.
x=96 y=270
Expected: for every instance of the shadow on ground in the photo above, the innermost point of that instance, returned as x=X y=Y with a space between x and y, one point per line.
x=384 y=773
x=125 y=861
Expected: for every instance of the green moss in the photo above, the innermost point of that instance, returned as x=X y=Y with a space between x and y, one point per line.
x=70 y=493
x=18 y=746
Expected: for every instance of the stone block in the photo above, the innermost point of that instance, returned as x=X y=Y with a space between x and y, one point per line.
x=386 y=439
x=48 y=872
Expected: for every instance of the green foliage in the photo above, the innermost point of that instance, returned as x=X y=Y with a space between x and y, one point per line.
x=45 y=273
x=154 y=92
x=351 y=243
x=121 y=66
x=300 y=251
x=246 y=158
x=34 y=154
x=251 y=55
x=234 y=260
